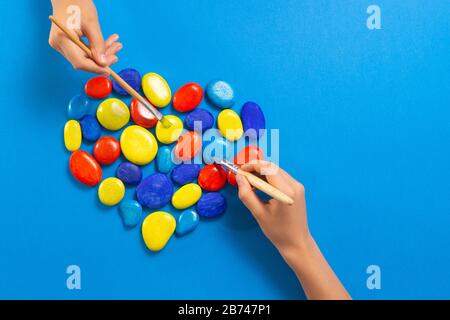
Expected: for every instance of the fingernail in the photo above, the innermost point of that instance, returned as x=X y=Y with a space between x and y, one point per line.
x=238 y=179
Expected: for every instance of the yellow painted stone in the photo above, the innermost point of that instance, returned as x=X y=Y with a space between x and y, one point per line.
x=138 y=145
x=72 y=135
x=186 y=196
x=113 y=114
x=230 y=125
x=157 y=229
x=156 y=89
x=170 y=134
x=111 y=191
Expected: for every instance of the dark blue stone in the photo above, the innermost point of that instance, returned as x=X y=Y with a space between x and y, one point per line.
x=155 y=191
x=129 y=173
x=132 y=77
x=211 y=205
x=185 y=173
x=199 y=115
x=90 y=128
x=253 y=120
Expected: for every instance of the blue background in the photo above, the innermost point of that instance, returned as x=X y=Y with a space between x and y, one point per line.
x=365 y=125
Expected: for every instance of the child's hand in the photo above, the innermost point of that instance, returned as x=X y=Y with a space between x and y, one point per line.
x=285 y=225
x=104 y=51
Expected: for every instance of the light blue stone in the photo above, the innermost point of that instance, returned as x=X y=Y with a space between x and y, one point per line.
x=187 y=222
x=220 y=93
x=219 y=148
x=78 y=107
x=164 y=159
x=130 y=212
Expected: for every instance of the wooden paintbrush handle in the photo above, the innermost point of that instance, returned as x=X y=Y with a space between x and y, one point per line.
x=72 y=36
x=265 y=187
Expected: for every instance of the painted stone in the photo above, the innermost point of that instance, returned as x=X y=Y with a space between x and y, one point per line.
x=85 y=168
x=199 y=120
x=212 y=177
x=72 y=135
x=111 y=191
x=185 y=173
x=164 y=159
x=98 y=87
x=170 y=134
x=188 y=97
x=186 y=196
x=129 y=173
x=211 y=204
x=138 y=145
x=245 y=155
x=156 y=89
x=187 y=222
x=155 y=191
x=188 y=145
x=141 y=115
x=78 y=107
x=113 y=114
x=219 y=148
x=253 y=120
x=230 y=125
x=220 y=93
x=132 y=77
x=130 y=212
x=106 y=150
x=90 y=128
x=157 y=229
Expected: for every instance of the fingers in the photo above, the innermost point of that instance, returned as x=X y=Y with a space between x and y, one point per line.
x=249 y=197
x=111 y=39
x=92 y=31
x=78 y=58
x=274 y=175
x=112 y=50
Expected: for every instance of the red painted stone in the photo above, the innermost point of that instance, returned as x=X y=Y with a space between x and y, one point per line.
x=188 y=145
x=231 y=178
x=212 y=177
x=98 y=87
x=188 y=97
x=245 y=155
x=141 y=115
x=106 y=150
x=85 y=168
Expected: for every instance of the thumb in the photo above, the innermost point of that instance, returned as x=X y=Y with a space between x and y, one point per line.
x=96 y=42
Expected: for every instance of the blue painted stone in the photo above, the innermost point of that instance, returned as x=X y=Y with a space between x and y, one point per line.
x=130 y=212
x=218 y=148
x=132 y=77
x=164 y=159
x=203 y=116
x=78 y=107
x=185 y=173
x=90 y=128
x=155 y=191
x=220 y=93
x=253 y=120
x=129 y=173
x=187 y=222
x=211 y=205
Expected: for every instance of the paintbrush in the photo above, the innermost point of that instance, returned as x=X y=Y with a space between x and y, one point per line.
x=75 y=39
x=257 y=182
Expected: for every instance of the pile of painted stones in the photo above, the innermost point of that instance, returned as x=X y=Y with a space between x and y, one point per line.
x=185 y=152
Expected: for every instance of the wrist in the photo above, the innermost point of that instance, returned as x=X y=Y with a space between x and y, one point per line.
x=298 y=251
